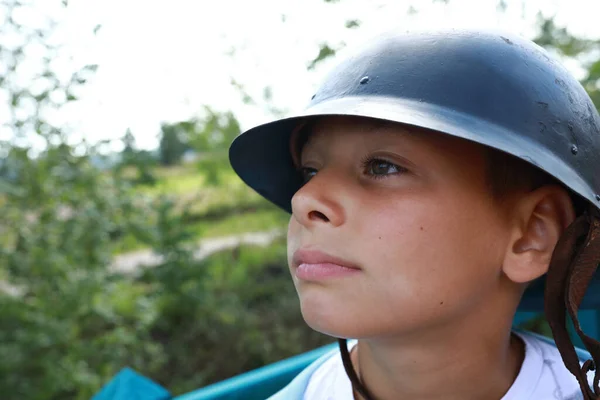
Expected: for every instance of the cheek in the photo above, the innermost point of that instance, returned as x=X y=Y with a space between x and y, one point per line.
x=424 y=261
x=429 y=254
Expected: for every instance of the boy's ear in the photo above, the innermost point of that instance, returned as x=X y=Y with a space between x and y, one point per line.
x=540 y=218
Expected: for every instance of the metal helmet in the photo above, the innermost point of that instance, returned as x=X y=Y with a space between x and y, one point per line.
x=496 y=89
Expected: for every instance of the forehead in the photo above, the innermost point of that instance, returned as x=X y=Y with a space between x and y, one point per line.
x=327 y=129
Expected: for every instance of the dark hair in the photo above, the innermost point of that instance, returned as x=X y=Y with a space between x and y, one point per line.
x=507 y=174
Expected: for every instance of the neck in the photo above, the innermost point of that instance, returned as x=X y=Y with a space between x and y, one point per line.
x=461 y=361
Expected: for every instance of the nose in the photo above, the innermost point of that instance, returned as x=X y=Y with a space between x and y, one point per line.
x=319 y=201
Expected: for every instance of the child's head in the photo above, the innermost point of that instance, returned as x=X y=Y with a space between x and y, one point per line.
x=441 y=234
x=452 y=170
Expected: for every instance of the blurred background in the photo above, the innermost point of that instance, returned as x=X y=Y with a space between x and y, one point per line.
x=125 y=237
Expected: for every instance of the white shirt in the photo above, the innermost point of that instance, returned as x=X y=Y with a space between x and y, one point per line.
x=543 y=376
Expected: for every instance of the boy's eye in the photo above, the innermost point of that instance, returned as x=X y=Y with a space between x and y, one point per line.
x=375 y=168
x=306 y=172
x=380 y=168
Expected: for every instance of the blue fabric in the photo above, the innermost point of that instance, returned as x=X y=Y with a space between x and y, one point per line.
x=129 y=385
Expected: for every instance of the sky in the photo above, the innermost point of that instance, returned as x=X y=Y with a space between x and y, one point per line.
x=164 y=60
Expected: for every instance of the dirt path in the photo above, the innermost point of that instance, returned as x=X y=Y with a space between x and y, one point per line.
x=131 y=263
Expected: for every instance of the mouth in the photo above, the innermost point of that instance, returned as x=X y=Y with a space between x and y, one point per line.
x=314 y=265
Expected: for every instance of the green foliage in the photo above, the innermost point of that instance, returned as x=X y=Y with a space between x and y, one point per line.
x=245 y=290
x=259 y=220
x=325 y=51
x=68 y=330
x=591 y=83
x=173 y=142
x=246 y=98
x=66 y=346
x=267 y=94
x=212 y=169
x=141 y=161
x=181 y=180
x=128 y=144
x=72 y=322
x=353 y=23
x=213 y=133
x=70 y=325
x=552 y=36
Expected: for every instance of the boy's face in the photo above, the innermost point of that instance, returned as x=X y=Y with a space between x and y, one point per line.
x=419 y=222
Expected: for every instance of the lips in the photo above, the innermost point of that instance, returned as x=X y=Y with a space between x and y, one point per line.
x=307 y=256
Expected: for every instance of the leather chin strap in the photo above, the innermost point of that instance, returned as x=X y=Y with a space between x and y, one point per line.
x=357 y=385
x=573 y=265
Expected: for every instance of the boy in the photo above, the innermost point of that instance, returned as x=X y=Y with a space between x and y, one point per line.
x=437 y=182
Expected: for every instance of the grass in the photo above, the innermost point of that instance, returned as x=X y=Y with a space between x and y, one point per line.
x=186 y=182
x=127 y=244
x=235 y=224
x=262 y=220
x=228 y=207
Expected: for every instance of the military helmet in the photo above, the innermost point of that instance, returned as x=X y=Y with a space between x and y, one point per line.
x=493 y=88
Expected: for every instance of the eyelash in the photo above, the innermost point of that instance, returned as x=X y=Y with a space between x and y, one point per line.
x=368 y=159
x=365 y=162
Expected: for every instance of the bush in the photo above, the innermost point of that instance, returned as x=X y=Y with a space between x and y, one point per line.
x=234 y=312
x=214 y=169
x=184 y=323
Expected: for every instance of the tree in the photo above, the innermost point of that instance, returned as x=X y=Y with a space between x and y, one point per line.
x=214 y=132
x=129 y=149
x=71 y=324
x=173 y=142
x=141 y=161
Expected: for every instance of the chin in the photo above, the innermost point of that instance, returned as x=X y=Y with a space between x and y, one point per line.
x=330 y=317
x=340 y=316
